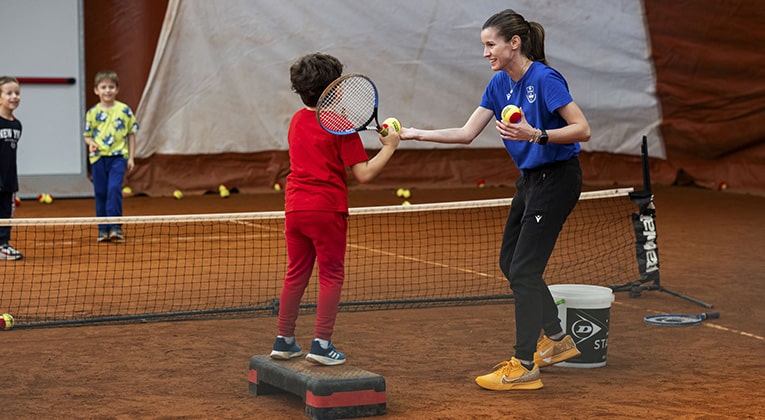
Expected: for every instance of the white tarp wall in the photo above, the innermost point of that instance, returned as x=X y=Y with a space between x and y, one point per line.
x=42 y=40
x=220 y=80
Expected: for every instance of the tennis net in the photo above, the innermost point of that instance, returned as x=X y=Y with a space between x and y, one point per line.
x=184 y=266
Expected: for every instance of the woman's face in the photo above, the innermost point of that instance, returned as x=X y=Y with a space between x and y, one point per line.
x=498 y=51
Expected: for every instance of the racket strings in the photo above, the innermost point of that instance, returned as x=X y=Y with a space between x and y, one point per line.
x=348 y=106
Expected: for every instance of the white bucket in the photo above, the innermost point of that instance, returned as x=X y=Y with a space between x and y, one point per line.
x=584 y=312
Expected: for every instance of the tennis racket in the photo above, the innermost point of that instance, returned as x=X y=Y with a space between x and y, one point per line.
x=348 y=105
x=679 y=320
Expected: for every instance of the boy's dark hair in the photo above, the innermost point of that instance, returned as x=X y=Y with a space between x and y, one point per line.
x=312 y=73
x=107 y=76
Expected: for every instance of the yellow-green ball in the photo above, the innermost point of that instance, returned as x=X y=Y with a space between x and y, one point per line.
x=390 y=123
x=511 y=113
x=178 y=194
x=7 y=321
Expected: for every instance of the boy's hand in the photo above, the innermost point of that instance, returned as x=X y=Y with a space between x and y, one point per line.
x=392 y=139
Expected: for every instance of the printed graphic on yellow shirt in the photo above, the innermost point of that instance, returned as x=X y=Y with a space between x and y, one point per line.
x=109 y=129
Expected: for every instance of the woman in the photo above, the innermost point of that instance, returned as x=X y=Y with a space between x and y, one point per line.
x=544 y=145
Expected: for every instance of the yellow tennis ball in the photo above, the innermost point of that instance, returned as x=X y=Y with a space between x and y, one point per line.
x=406 y=193
x=511 y=113
x=6 y=321
x=278 y=186
x=224 y=192
x=406 y=203
x=127 y=191
x=400 y=192
x=390 y=123
x=47 y=198
x=177 y=194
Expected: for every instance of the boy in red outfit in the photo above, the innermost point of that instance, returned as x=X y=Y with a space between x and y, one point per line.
x=316 y=209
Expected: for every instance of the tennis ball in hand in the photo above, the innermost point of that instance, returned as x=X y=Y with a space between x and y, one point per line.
x=390 y=123
x=6 y=321
x=511 y=113
x=177 y=194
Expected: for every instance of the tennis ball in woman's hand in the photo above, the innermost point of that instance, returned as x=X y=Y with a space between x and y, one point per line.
x=390 y=123
x=511 y=113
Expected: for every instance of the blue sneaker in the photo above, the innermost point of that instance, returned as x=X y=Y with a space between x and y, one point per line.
x=328 y=357
x=284 y=351
x=103 y=236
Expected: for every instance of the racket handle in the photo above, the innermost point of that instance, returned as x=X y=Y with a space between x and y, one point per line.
x=709 y=315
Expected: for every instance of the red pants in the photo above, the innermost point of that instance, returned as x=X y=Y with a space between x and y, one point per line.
x=313 y=236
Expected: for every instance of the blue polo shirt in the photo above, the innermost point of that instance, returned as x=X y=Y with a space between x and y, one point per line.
x=540 y=92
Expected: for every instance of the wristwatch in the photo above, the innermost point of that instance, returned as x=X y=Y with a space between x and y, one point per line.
x=543 y=138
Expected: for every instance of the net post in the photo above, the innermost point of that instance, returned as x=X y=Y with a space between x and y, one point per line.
x=646 y=249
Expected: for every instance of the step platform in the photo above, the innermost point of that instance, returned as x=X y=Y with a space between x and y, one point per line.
x=329 y=392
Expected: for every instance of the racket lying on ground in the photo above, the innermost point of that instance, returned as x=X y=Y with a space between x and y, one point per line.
x=348 y=105
x=679 y=320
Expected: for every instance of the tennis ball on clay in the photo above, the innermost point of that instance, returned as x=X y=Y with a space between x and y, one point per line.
x=406 y=193
x=177 y=194
x=224 y=192
x=481 y=183
x=6 y=321
x=511 y=113
x=127 y=191
x=45 y=198
x=390 y=123
x=278 y=186
x=406 y=203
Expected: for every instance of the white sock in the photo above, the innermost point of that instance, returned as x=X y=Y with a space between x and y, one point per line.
x=558 y=336
x=323 y=343
x=288 y=340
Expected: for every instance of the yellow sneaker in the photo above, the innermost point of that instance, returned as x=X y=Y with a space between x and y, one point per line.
x=550 y=352
x=510 y=375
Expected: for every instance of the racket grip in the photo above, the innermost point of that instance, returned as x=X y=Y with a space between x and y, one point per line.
x=710 y=315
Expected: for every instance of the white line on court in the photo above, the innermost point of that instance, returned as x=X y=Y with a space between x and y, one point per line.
x=421 y=261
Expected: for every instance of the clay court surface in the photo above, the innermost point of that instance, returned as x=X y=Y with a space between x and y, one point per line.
x=710 y=243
